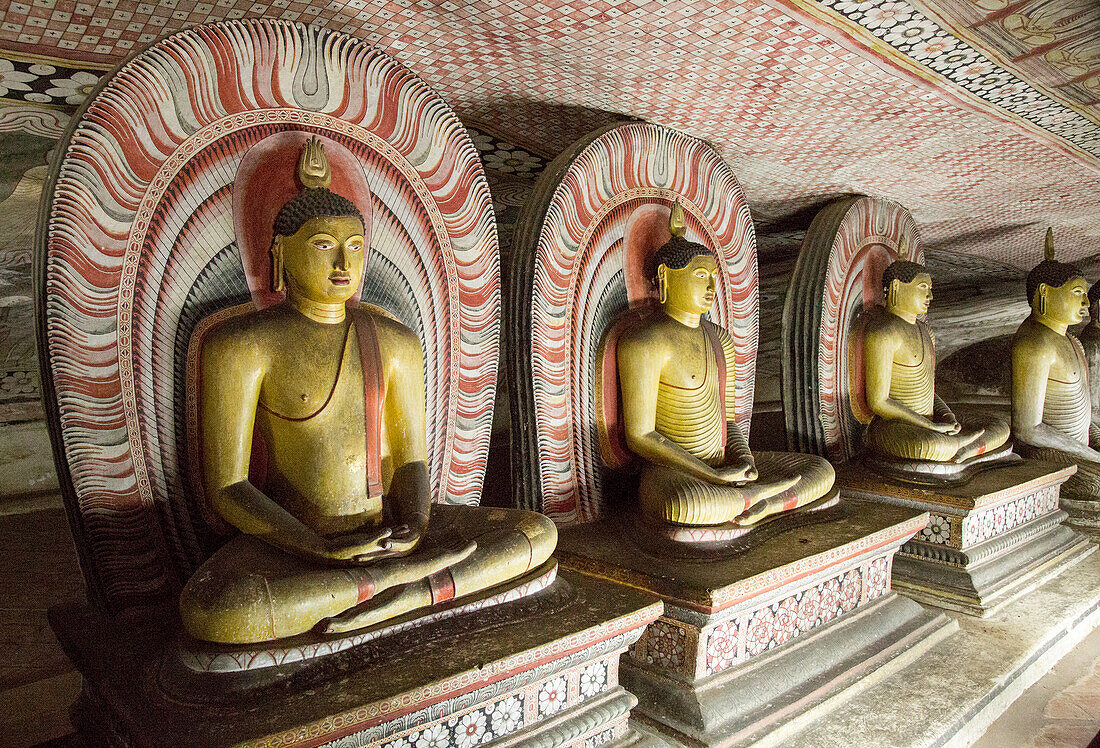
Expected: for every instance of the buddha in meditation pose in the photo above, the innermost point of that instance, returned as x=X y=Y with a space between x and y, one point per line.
x=910 y=421
x=676 y=378
x=343 y=534
x=1090 y=341
x=1051 y=406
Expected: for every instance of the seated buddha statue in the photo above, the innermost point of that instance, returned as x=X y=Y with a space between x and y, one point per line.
x=910 y=421
x=1090 y=342
x=1051 y=405
x=676 y=382
x=343 y=533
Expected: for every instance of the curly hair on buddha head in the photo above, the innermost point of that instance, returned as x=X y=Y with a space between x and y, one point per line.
x=315 y=200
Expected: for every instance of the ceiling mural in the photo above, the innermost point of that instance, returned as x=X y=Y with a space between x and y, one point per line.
x=1055 y=44
x=986 y=140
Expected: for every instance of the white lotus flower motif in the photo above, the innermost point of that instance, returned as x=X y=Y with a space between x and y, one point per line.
x=552 y=695
x=471 y=729
x=507 y=716
x=510 y=161
x=12 y=79
x=436 y=736
x=75 y=88
x=482 y=142
x=887 y=15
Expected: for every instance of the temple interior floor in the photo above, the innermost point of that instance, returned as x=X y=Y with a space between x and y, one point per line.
x=948 y=687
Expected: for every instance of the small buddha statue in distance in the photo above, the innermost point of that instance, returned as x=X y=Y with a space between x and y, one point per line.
x=910 y=421
x=343 y=534
x=1051 y=404
x=676 y=379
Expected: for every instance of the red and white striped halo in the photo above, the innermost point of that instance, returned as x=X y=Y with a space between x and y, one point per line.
x=582 y=276
x=140 y=246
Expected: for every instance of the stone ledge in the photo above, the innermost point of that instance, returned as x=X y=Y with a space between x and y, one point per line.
x=959 y=687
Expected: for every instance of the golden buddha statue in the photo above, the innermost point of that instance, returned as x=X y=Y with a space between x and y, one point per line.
x=910 y=421
x=1052 y=417
x=676 y=381
x=344 y=534
x=1090 y=341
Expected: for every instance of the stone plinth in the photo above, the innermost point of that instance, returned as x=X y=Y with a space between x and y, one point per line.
x=761 y=637
x=1084 y=514
x=986 y=542
x=542 y=669
x=951 y=695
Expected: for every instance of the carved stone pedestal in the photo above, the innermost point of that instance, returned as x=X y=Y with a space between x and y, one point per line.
x=539 y=670
x=987 y=541
x=1084 y=514
x=761 y=637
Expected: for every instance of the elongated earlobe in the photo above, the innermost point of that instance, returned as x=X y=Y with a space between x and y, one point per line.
x=277 y=265
x=892 y=294
x=662 y=284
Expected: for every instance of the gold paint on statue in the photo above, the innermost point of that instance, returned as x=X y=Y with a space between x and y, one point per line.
x=1051 y=409
x=317 y=547
x=910 y=421
x=674 y=416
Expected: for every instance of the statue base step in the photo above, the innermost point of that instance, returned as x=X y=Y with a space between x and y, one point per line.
x=951 y=695
x=987 y=542
x=759 y=640
x=1084 y=514
x=542 y=668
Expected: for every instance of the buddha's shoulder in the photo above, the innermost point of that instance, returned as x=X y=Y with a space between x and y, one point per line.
x=1034 y=340
x=718 y=331
x=653 y=330
x=250 y=328
x=878 y=321
x=393 y=337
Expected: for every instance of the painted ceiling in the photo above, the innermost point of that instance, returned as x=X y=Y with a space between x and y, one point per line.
x=981 y=116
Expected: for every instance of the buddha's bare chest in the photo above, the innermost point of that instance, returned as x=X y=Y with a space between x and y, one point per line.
x=914 y=349
x=690 y=362
x=1068 y=367
x=314 y=377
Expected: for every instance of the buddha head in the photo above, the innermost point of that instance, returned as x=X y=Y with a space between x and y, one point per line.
x=1057 y=290
x=908 y=288
x=686 y=275
x=684 y=272
x=318 y=246
x=906 y=284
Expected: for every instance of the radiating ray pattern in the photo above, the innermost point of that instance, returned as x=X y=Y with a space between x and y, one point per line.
x=569 y=269
x=838 y=273
x=140 y=246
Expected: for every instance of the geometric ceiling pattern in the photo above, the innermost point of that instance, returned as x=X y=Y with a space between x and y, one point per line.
x=980 y=117
x=1052 y=43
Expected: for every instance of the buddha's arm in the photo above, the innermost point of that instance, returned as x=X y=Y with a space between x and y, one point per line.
x=1031 y=363
x=879 y=348
x=409 y=498
x=1092 y=361
x=640 y=363
x=941 y=411
x=232 y=372
x=738 y=455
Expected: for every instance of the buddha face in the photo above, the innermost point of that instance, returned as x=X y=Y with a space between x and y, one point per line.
x=324 y=259
x=692 y=288
x=1067 y=304
x=912 y=297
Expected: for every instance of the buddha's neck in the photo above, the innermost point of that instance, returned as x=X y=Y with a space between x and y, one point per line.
x=1050 y=322
x=903 y=314
x=686 y=318
x=328 y=313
